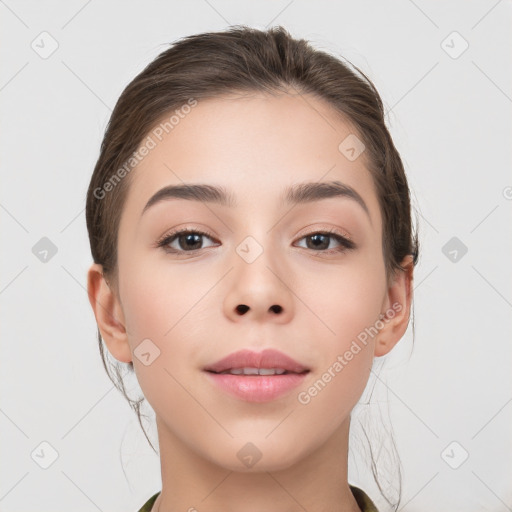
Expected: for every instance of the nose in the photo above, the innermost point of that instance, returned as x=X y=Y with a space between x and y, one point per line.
x=259 y=291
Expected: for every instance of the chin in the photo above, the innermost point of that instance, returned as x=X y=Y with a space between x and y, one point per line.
x=257 y=456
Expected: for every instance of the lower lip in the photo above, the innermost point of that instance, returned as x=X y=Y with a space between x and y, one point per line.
x=257 y=388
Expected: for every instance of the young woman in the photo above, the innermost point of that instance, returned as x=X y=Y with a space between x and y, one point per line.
x=250 y=225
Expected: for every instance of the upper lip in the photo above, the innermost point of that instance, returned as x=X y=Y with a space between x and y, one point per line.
x=268 y=358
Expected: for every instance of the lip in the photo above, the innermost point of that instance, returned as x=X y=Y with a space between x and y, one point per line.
x=269 y=358
x=257 y=388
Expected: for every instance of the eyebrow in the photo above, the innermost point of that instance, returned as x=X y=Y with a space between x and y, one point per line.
x=296 y=194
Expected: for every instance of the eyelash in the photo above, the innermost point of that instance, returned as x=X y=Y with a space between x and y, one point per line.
x=345 y=243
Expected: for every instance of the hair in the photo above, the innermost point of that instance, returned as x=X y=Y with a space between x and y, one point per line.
x=242 y=60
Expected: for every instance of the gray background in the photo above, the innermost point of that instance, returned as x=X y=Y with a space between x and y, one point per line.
x=447 y=397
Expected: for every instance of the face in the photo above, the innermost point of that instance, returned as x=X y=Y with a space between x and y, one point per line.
x=304 y=277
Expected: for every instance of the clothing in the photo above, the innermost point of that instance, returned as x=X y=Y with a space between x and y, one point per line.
x=362 y=499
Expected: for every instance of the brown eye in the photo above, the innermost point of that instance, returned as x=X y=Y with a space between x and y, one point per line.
x=190 y=241
x=184 y=241
x=318 y=241
x=322 y=242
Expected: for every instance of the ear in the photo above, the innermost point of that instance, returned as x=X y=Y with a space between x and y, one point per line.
x=396 y=309
x=109 y=314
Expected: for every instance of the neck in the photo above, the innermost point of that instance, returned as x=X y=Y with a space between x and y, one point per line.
x=316 y=483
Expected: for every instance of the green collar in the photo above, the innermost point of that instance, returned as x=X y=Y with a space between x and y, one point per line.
x=362 y=499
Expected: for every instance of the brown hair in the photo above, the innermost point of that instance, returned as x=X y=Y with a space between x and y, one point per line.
x=242 y=59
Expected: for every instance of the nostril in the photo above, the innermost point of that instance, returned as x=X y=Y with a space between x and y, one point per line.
x=242 y=308
x=276 y=308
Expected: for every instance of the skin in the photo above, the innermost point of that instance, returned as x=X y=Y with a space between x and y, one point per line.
x=255 y=146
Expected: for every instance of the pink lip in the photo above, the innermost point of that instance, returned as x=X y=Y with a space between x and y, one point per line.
x=257 y=388
x=269 y=358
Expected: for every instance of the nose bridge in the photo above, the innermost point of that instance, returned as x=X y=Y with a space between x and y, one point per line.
x=258 y=284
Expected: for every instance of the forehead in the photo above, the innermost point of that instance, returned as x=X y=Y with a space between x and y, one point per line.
x=255 y=146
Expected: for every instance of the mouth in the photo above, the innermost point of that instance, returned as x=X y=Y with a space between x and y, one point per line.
x=248 y=362
x=256 y=376
x=257 y=372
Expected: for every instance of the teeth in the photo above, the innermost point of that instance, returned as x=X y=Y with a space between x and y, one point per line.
x=255 y=371
x=270 y=371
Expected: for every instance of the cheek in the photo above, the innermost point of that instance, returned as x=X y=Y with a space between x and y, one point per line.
x=157 y=298
x=347 y=303
x=346 y=300
x=346 y=355
x=160 y=307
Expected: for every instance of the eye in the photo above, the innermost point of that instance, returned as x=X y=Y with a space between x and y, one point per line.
x=190 y=240
x=186 y=240
x=319 y=241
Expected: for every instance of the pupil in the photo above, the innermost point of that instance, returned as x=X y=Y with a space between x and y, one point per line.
x=323 y=244
x=189 y=237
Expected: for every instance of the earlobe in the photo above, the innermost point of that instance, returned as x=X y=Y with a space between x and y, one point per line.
x=397 y=308
x=109 y=314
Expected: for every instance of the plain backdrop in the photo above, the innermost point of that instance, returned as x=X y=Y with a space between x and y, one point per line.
x=444 y=72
